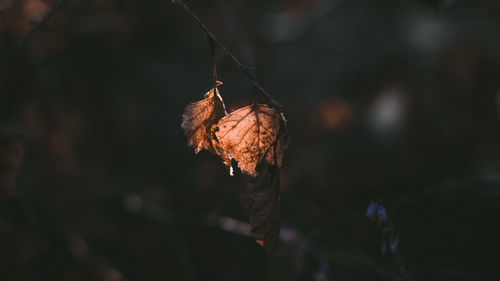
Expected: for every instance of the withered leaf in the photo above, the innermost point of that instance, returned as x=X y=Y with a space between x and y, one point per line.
x=199 y=122
x=261 y=201
x=11 y=157
x=253 y=133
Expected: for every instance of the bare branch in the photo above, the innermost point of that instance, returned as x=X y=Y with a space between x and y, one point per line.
x=244 y=69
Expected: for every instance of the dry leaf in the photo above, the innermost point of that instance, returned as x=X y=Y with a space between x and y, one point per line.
x=253 y=133
x=199 y=123
x=256 y=137
x=261 y=200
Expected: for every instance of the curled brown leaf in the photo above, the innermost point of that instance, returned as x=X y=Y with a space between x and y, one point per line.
x=260 y=198
x=199 y=123
x=253 y=133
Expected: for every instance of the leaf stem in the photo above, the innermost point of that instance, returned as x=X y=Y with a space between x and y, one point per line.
x=214 y=66
x=243 y=68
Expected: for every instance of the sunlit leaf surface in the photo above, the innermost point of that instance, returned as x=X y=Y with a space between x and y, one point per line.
x=253 y=133
x=200 y=120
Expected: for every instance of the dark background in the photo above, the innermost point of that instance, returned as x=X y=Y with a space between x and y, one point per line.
x=390 y=101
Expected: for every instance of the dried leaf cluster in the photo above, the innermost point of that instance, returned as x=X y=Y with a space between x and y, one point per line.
x=248 y=135
x=255 y=137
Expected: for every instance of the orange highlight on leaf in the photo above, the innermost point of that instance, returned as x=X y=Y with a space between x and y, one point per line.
x=254 y=134
x=199 y=123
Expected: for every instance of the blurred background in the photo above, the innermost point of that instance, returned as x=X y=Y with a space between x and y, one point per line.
x=394 y=101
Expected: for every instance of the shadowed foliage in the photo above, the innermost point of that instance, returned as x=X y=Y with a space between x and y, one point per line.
x=260 y=198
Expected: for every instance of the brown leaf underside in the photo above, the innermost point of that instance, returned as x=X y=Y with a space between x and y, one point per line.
x=251 y=134
x=199 y=122
x=261 y=200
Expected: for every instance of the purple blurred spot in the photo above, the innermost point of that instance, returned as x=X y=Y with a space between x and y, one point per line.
x=372 y=207
x=324 y=267
x=381 y=213
x=394 y=243
x=383 y=248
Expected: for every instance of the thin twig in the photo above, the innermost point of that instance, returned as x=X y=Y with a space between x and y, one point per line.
x=244 y=69
x=35 y=28
x=233 y=27
x=214 y=66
